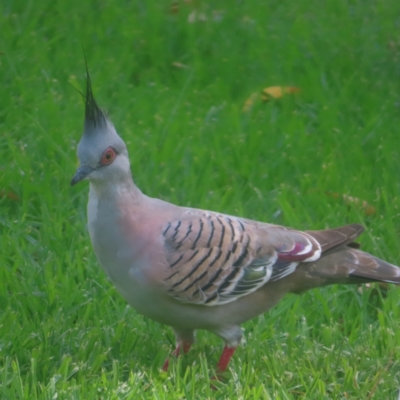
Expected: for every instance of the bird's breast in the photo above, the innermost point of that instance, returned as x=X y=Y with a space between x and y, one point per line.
x=125 y=241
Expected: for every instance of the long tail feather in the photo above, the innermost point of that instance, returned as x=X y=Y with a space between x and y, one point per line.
x=346 y=266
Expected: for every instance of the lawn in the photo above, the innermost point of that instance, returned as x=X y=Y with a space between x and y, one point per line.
x=183 y=83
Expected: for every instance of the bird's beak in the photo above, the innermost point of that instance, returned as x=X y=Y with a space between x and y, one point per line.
x=81 y=173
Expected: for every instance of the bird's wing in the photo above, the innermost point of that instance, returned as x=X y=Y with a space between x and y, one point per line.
x=214 y=258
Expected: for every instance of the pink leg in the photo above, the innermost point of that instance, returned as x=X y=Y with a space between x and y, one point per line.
x=226 y=356
x=223 y=363
x=185 y=347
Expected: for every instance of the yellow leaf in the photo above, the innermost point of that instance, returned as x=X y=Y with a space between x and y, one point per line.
x=271 y=92
x=276 y=92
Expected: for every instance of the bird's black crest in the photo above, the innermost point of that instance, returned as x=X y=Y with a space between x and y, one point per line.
x=94 y=116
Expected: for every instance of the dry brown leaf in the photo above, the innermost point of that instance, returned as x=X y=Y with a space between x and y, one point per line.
x=248 y=104
x=174 y=9
x=10 y=195
x=368 y=209
x=350 y=200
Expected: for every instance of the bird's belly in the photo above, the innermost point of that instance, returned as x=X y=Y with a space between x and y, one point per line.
x=133 y=284
x=154 y=302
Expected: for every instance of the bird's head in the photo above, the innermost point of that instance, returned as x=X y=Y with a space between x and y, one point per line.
x=102 y=153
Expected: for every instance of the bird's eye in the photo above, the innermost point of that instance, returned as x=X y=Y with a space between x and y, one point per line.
x=108 y=156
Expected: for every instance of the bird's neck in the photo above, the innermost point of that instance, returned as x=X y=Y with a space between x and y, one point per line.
x=111 y=206
x=111 y=191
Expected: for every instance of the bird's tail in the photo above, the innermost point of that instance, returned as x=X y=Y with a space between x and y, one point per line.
x=346 y=265
x=352 y=265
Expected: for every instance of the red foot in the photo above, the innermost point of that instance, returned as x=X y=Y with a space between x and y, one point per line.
x=223 y=363
x=186 y=346
x=176 y=352
x=226 y=356
x=166 y=365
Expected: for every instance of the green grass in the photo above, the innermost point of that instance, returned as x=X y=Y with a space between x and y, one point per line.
x=65 y=332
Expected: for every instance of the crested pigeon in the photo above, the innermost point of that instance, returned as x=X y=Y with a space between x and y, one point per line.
x=193 y=269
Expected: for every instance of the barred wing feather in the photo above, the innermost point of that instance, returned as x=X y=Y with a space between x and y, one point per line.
x=214 y=258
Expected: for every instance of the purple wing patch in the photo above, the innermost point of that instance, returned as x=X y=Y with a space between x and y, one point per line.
x=309 y=250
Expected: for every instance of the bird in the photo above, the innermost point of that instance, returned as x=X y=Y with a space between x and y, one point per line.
x=193 y=269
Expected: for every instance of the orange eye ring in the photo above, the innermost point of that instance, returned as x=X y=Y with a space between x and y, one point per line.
x=108 y=156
